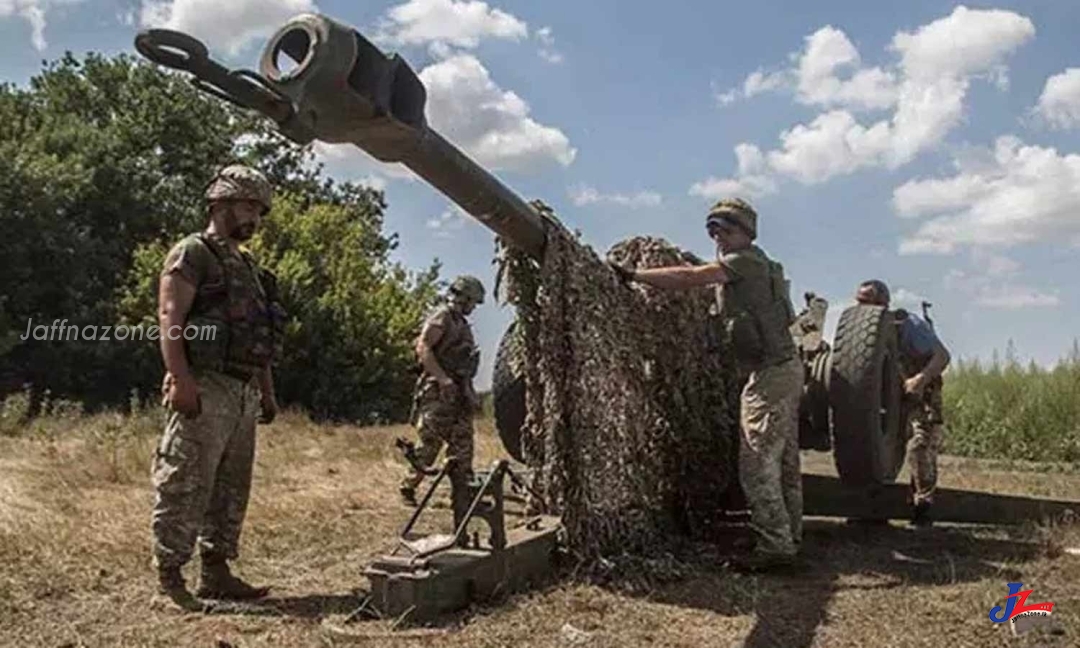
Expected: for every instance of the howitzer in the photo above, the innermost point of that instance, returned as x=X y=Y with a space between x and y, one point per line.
x=343 y=89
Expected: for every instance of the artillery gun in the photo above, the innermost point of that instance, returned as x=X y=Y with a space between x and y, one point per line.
x=343 y=89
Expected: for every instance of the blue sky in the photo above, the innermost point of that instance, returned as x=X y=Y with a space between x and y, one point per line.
x=930 y=144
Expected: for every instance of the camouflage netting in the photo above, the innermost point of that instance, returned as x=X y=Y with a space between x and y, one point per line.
x=628 y=420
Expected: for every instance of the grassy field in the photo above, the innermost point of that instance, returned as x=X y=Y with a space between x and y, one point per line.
x=75 y=566
x=1006 y=409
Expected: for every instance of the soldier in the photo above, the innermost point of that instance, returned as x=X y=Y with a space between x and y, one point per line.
x=215 y=386
x=756 y=311
x=445 y=399
x=923 y=358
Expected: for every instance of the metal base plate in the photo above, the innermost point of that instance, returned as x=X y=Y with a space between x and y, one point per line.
x=453 y=578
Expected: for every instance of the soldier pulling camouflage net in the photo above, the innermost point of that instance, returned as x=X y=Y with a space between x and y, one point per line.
x=628 y=423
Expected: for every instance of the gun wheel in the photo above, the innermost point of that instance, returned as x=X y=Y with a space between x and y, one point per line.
x=865 y=391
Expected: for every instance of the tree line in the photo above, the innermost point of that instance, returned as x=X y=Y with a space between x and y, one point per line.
x=103 y=163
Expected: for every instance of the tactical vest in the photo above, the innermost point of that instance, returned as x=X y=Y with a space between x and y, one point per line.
x=756 y=312
x=456 y=351
x=244 y=308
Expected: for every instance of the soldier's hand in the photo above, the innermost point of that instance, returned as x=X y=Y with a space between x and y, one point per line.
x=269 y=409
x=915 y=384
x=447 y=388
x=182 y=394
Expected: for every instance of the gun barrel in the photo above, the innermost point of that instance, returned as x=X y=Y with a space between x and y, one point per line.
x=344 y=89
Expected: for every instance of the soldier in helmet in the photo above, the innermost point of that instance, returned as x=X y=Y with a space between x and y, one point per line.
x=923 y=358
x=221 y=329
x=756 y=311
x=445 y=398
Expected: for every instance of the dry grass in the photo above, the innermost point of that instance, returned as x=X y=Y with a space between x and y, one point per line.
x=75 y=566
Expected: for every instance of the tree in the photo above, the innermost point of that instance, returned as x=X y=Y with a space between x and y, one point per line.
x=102 y=167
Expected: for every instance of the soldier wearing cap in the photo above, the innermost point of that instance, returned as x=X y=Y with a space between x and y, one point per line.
x=222 y=326
x=756 y=312
x=445 y=399
x=923 y=358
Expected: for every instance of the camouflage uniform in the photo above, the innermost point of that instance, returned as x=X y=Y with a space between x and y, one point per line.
x=203 y=465
x=925 y=412
x=447 y=418
x=202 y=469
x=756 y=310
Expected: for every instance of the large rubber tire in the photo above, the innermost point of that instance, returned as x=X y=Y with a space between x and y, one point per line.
x=865 y=391
x=508 y=392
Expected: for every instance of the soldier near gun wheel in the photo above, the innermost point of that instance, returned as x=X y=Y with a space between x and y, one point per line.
x=445 y=400
x=756 y=311
x=923 y=358
x=218 y=384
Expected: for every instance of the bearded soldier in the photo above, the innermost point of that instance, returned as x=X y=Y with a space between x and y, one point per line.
x=445 y=398
x=922 y=359
x=222 y=326
x=756 y=311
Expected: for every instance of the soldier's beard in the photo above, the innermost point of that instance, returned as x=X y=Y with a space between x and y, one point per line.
x=238 y=231
x=243 y=232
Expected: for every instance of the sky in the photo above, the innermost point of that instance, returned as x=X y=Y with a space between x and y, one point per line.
x=933 y=145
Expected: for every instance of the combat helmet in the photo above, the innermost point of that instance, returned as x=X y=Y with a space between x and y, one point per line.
x=470 y=287
x=735 y=211
x=239 y=182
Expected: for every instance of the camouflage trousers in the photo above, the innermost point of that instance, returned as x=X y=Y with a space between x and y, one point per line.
x=443 y=419
x=202 y=472
x=769 y=470
x=926 y=420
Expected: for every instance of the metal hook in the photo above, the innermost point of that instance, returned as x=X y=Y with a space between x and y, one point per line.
x=172 y=49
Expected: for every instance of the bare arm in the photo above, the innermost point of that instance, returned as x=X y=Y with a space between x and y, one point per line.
x=938 y=362
x=175 y=296
x=682 y=277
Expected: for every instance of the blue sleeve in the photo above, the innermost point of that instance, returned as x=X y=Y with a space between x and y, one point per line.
x=917 y=337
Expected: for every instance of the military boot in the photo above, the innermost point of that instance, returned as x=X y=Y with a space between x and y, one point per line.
x=171 y=585
x=217 y=582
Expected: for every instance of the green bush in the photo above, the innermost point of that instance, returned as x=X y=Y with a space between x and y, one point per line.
x=1008 y=410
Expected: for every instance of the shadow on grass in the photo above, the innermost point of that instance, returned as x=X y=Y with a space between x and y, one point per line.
x=791 y=607
x=314 y=606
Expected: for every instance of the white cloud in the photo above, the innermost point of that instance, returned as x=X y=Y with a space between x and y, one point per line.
x=228 y=26
x=907 y=297
x=462 y=24
x=547 y=50
x=926 y=91
x=752 y=181
x=491 y=124
x=756 y=83
x=585 y=195
x=374 y=181
x=829 y=50
x=345 y=162
x=1059 y=103
x=995 y=291
x=448 y=222
x=1016 y=194
x=33 y=12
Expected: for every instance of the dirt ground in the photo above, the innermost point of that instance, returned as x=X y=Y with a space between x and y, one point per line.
x=75 y=566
